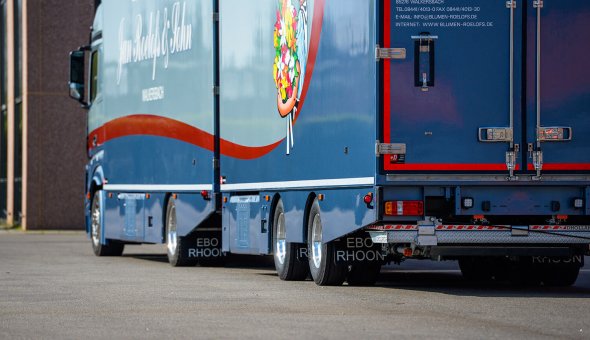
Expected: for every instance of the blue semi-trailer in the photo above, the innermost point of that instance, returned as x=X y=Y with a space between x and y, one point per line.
x=340 y=135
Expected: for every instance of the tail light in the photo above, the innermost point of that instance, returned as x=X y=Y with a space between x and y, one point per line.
x=404 y=208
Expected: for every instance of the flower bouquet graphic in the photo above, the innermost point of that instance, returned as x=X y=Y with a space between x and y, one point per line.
x=291 y=50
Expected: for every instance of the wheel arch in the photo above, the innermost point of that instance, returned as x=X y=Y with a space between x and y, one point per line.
x=95 y=183
x=167 y=198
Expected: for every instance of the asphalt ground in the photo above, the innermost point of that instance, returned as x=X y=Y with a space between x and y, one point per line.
x=53 y=287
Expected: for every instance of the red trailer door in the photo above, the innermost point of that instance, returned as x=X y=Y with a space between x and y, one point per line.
x=558 y=91
x=450 y=70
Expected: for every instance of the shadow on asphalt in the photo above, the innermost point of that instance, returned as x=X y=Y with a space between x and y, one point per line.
x=250 y=261
x=430 y=279
x=231 y=261
x=453 y=283
x=148 y=257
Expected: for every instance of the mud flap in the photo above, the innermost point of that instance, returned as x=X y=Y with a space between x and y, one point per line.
x=358 y=248
x=552 y=260
x=205 y=245
x=302 y=253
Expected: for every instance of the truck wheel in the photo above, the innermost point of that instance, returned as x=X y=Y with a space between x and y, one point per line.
x=111 y=248
x=289 y=267
x=177 y=247
x=363 y=274
x=475 y=269
x=325 y=271
x=560 y=275
x=524 y=273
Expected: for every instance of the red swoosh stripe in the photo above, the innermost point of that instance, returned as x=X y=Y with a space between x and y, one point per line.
x=152 y=125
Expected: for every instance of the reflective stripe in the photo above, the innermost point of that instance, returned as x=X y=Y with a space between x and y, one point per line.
x=157 y=187
x=338 y=182
x=482 y=227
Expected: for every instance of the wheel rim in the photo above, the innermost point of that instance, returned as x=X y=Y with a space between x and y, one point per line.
x=172 y=235
x=281 y=240
x=316 y=241
x=95 y=226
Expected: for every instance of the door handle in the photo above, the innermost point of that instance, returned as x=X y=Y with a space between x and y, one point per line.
x=424 y=60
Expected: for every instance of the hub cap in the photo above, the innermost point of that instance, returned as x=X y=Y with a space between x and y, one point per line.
x=95 y=225
x=316 y=241
x=281 y=241
x=172 y=236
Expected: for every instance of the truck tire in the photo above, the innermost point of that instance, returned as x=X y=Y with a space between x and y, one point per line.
x=176 y=247
x=212 y=261
x=363 y=274
x=288 y=265
x=111 y=247
x=560 y=275
x=524 y=273
x=475 y=269
x=325 y=271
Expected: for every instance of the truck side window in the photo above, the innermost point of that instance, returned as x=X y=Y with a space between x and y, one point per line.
x=93 y=75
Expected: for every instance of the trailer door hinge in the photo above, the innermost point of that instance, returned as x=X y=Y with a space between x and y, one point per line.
x=216 y=90
x=389 y=53
x=390 y=149
x=538 y=164
x=216 y=16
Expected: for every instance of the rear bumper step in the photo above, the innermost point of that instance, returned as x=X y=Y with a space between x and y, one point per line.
x=480 y=234
x=501 y=251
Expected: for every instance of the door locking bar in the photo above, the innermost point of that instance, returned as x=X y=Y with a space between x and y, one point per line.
x=544 y=133
x=511 y=157
x=495 y=134
x=554 y=134
x=538 y=164
x=506 y=134
x=537 y=154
